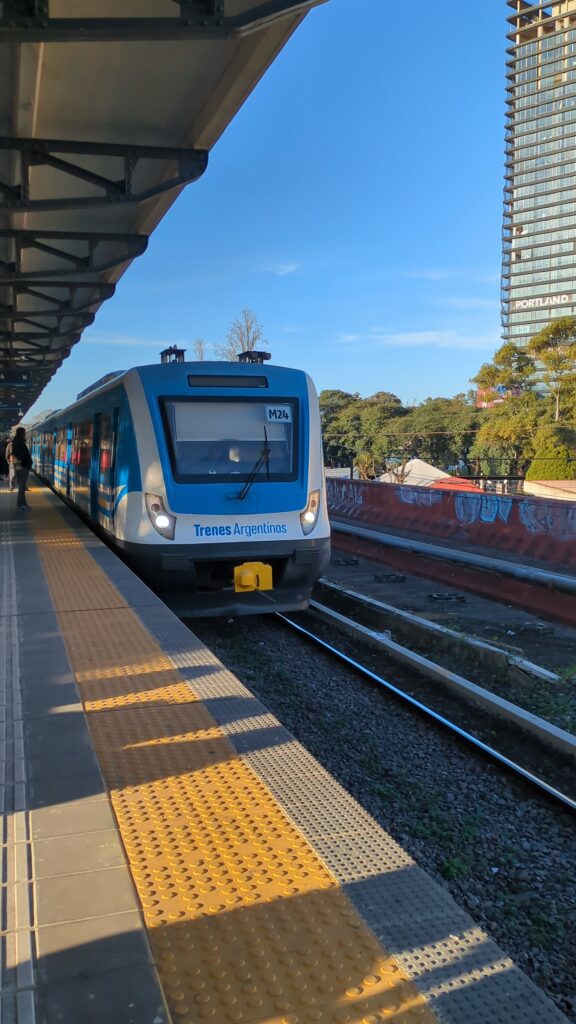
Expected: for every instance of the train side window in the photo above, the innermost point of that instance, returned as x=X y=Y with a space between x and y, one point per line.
x=82 y=447
x=75 y=447
x=106 y=440
x=61 y=446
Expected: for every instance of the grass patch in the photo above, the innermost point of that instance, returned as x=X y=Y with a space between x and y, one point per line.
x=567 y=673
x=554 y=705
x=455 y=868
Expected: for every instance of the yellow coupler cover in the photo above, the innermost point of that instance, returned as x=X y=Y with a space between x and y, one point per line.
x=252 y=576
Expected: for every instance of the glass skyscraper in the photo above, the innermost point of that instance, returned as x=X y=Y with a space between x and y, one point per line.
x=539 y=242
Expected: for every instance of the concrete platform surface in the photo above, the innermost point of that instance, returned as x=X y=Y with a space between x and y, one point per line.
x=171 y=853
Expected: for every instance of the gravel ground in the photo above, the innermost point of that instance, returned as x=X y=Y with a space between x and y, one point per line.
x=505 y=856
x=554 y=701
x=550 y=644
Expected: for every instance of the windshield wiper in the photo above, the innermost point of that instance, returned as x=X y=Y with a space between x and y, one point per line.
x=263 y=458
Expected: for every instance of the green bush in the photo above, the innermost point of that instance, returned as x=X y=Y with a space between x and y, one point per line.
x=554 y=456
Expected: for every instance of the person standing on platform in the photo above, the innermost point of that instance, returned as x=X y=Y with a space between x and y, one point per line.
x=22 y=462
x=8 y=454
x=4 y=467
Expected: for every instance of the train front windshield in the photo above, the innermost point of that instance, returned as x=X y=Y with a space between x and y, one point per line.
x=226 y=440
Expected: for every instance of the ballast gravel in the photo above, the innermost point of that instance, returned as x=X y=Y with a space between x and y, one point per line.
x=505 y=855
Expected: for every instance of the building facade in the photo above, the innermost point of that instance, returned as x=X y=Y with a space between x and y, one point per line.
x=539 y=237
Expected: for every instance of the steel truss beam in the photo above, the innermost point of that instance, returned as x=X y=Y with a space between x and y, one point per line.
x=90 y=261
x=29 y=21
x=34 y=344
x=190 y=164
x=10 y=379
x=42 y=330
x=31 y=319
x=38 y=288
x=35 y=352
x=45 y=345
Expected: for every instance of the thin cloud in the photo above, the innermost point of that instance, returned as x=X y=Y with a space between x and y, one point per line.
x=432 y=275
x=456 y=274
x=438 y=339
x=461 y=302
x=448 y=339
x=281 y=269
x=127 y=341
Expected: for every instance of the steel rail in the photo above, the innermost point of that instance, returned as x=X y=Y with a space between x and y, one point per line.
x=495 y=755
x=503 y=659
x=530 y=574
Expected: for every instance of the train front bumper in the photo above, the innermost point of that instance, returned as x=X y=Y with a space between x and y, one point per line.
x=199 y=579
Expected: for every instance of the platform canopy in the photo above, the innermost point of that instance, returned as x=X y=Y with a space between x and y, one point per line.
x=108 y=108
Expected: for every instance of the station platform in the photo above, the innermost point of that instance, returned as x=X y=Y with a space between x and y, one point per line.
x=170 y=853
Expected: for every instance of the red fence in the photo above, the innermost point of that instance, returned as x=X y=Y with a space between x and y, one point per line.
x=536 y=527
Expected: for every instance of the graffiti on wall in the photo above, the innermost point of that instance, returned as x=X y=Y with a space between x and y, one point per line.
x=418 y=496
x=538 y=517
x=484 y=508
x=526 y=518
x=343 y=495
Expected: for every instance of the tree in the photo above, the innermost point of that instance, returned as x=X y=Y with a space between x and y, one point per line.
x=245 y=334
x=554 y=348
x=332 y=403
x=393 y=449
x=379 y=433
x=510 y=371
x=505 y=442
x=385 y=398
x=199 y=349
x=366 y=466
x=554 y=456
x=346 y=432
x=348 y=429
x=440 y=431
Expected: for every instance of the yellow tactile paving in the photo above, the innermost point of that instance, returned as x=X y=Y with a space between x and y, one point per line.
x=143 y=675
x=76 y=581
x=246 y=923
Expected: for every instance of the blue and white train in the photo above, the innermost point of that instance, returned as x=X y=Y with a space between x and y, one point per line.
x=207 y=477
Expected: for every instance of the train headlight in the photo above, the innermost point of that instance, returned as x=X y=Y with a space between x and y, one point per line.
x=309 y=517
x=162 y=521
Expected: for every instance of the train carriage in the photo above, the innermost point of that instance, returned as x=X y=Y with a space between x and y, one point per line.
x=207 y=477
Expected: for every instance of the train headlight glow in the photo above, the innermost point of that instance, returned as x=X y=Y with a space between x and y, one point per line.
x=162 y=521
x=309 y=517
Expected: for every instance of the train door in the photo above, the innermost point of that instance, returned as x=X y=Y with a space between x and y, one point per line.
x=113 y=462
x=69 y=433
x=108 y=428
x=95 y=468
x=74 y=459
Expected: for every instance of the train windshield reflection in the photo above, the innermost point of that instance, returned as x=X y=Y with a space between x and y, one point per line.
x=220 y=441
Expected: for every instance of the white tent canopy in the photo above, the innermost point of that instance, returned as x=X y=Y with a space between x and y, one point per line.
x=415 y=472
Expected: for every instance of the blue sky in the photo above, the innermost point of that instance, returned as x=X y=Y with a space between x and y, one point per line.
x=355 y=204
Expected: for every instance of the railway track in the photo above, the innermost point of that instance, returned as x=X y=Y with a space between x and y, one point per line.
x=508 y=715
